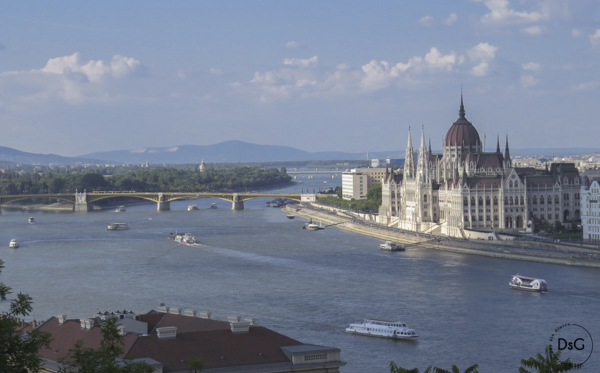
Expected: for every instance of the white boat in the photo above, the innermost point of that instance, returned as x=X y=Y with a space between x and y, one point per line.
x=290 y=216
x=186 y=238
x=383 y=329
x=14 y=244
x=117 y=227
x=528 y=283
x=391 y=246
x=31 y=221
x=120 y=209
x=193 y=208
x=213 y=206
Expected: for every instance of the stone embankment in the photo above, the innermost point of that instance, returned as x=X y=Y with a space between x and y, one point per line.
x=518 y=250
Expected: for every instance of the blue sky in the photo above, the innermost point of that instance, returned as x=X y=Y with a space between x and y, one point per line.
x=79 y=77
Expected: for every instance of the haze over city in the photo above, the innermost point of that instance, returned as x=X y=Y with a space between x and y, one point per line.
x=338 y=76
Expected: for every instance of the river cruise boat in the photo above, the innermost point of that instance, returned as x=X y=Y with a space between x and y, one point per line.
x=519 y=282
x=391 y=246
x=120 y=209
x=383 y=329
x=31 y=221
x=213 y=205
x=186 y=239
x=14 y=244
x=117 y=227
x=193 y=208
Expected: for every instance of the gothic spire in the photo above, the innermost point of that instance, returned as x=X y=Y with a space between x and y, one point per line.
x=498 y=145
x=461 y=112
x=430 y=145
x=507 y=159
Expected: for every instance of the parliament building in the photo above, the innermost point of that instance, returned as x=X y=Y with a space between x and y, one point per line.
x=466 y=188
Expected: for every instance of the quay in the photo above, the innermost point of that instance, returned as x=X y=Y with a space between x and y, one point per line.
x=517 y=250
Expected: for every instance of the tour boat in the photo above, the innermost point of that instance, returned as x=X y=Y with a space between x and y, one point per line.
x=528 y=283
x=14 y=244
x=383 y=329
x=213 y=206
x=186 y=238
x=120 y=209
x=290 y=216
x=31 y=221
x=391 y=246
x=193 y=208
x=117 y=227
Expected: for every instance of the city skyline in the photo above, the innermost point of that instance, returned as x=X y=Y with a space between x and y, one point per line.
x=314 y=76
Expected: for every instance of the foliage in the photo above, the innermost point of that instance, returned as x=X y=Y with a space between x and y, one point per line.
x=104 y=359
x=196 y=365
x=18 y=352
x=547 y=363
x=143 y=180
x=371 y=204
x=431 y=369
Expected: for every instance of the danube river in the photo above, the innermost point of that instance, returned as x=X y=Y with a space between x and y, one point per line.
x=307 y=285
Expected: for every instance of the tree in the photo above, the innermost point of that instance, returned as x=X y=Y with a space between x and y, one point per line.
x=396 y=369
x=550 y=363
x=431 y=369
x=196 y=365
x=104 y=359
x=19 y=352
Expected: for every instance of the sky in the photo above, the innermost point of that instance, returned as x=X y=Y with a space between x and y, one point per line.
x=80 y=77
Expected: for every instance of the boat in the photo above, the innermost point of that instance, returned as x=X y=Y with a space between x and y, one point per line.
x=31 y=221
x=213 y=206
x=186 y=238
x=311 y=226
x=519 y=282
x=290 y=216
x=193 y=208
x=391 y=246
x=383 y=329
x=120 y=209
x=117 y=227
x=14 y=244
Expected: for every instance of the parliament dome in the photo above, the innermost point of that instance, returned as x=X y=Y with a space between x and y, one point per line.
x=462 y=131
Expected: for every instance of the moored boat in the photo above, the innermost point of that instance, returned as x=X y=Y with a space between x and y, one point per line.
x=391 y=246
x=14 y=244
x=290 y=216
x=117 y=227
x=193 y=208
x=383 y=329
x=525 y=283
x=213 y=206
x=31 y=220
x=120 y=209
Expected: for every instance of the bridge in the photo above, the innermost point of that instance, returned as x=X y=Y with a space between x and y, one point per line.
x=83 y=201
x=314 y=172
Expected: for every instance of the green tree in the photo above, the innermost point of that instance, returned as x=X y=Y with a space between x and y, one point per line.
x=548 y=363
x=396 y=369
x=195 y=365
x=19 y=353
x=104 y=359
x=431 y=369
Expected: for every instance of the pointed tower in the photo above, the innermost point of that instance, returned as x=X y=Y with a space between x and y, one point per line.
x=430 y=146
x=409 y=159
x=498 y=145
x=507 y=160
x=423 y=161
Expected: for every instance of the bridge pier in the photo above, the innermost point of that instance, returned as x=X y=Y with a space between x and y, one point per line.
x=162 y=204
x=81 y=204
x=237 y=203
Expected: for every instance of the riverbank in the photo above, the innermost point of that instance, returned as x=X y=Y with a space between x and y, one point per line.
x=517 y=250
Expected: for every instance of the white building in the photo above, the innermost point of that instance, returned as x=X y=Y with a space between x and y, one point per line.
x=590 y=209
x=357 y=181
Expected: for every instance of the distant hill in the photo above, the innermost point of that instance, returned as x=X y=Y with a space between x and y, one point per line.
x=228 y=151
x=10 y=155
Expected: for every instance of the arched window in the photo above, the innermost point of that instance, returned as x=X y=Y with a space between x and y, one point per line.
x=549 y=200
x=541 y=200
x=534 y=200
x=505 y=201
x=480 y=202
x=556 y=199
x=511 y=201
x=522 y=201
x=472 y=201
x=495 y=201
x=466 y=201
x=425 y=198
x=510 y=184
x=487 y=201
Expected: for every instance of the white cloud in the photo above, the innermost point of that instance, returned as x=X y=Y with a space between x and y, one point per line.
x=576 y=32
x=502 y=13
x=586 y=86
x=595 y=38
x=452 y=18
x=343 y=66
x=483 y=53
x=533 y=66
x=426 y=21
x=301 y=63
x=94 y=71
x=534 y=30
x=294 y=45
x=528 y=81
x=235 y=84
x=214 y=71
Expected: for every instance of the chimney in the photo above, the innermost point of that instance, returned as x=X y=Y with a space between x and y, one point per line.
x=62 y=319
x=189 y=312
x=163 y=309
x=240 y=327
x=250 y=320
x=205 y=315
x=82 y=323
x=233 y=318
x=167 y=332
x=174 y=310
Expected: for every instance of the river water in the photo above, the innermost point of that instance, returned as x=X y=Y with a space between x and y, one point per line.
x=307 y=285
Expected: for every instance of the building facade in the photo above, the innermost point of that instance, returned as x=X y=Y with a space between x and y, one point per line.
x=465 y=187
x=357 y=181
x=590 y=209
